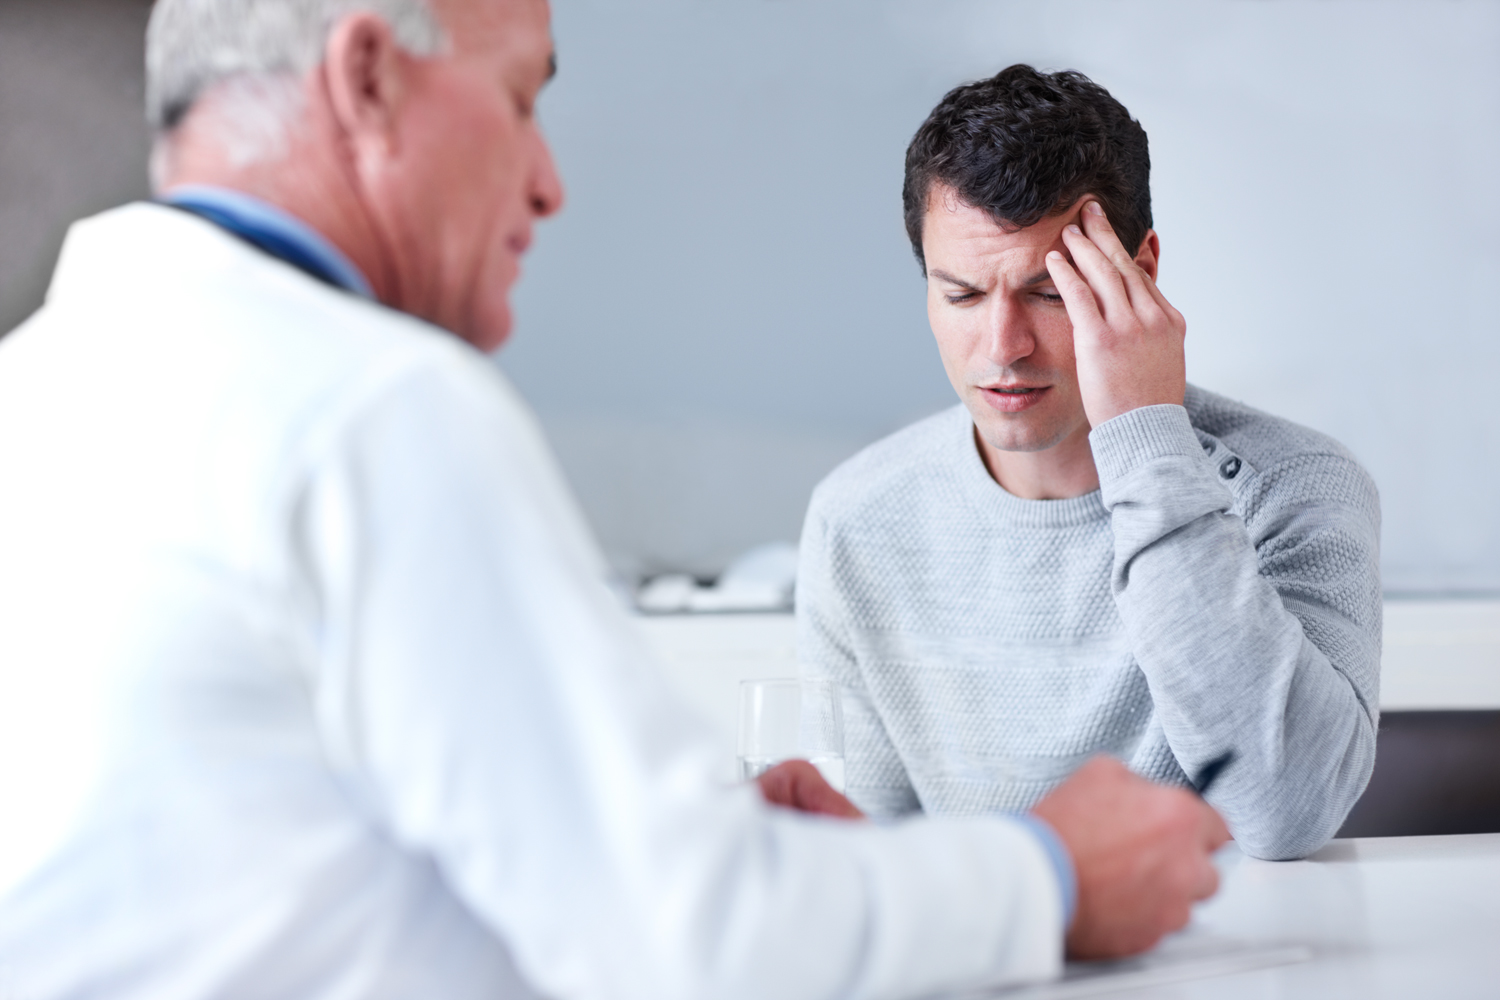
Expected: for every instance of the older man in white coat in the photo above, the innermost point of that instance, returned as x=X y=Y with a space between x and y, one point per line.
x=309 y=684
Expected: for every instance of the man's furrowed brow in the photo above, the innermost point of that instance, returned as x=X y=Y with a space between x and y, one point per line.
x=1037 y=279
x=942 y=275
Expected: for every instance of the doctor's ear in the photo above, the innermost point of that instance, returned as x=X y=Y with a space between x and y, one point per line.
x=364 y=71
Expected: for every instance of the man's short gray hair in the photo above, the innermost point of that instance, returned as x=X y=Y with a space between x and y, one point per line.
x=194 y=45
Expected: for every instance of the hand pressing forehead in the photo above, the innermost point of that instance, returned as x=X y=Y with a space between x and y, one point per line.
x=993 y=177
x=1006 y=333
x=1128 y=339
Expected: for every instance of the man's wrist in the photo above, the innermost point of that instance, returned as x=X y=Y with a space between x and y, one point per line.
x=1142 y=435
x=1102 y=412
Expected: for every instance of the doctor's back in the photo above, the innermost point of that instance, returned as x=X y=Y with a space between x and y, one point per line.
x=174 y=732
x=310 y=682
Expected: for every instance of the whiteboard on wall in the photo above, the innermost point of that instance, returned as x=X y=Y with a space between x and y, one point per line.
x=727 y=307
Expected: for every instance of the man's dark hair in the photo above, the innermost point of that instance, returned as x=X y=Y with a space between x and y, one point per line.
x=1023 y=145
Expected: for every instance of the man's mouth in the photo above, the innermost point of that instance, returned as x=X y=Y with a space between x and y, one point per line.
x=519 y=241
x=1013 y=399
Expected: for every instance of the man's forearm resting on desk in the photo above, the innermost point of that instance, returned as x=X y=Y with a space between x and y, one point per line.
x=1229 y=663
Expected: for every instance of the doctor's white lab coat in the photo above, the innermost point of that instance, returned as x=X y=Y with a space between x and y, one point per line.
x=310 y=687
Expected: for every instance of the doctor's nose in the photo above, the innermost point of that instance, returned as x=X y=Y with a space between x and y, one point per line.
x=546 y=193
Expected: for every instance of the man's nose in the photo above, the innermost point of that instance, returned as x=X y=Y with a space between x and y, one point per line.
x=1008 y=333
x=546 y=185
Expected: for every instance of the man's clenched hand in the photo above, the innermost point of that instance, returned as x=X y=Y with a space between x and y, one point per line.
x=798 y=785
x=1142 y=854
x=1126 y=336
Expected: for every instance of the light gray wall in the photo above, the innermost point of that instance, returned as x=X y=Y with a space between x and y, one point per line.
x=728 y=307
x=72 y=132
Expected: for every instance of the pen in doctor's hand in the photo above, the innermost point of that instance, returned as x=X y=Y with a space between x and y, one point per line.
x=1211 y=772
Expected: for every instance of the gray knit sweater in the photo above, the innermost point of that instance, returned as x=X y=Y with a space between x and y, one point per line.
x=1220 y=591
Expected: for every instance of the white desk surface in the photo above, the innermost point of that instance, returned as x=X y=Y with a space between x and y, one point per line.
x=1441 y=655
x=1401 y=917
x=1438 y=655
x=1409 y=917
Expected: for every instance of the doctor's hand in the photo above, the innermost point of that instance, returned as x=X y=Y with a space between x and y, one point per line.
x=1142 y=853
x=798 y=785
x=1127 y=338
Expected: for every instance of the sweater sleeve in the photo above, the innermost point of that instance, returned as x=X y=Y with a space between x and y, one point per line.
x=876 y=779
x=1263 y=639
x=482 y=687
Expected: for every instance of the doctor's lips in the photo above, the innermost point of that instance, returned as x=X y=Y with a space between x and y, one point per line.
x=1013 y=398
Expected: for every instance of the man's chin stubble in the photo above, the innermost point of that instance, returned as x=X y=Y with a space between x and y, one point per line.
x=1014 y=432
x=1015 y=438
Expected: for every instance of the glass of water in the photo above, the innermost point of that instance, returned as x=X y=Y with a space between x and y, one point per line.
x=791 y=719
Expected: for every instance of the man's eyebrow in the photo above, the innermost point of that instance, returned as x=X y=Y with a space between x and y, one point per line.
x=1037 y=279
x=551 y=64
x=945 y=276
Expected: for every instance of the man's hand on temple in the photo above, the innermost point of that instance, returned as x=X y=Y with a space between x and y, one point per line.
x=1142 y=853
x=798 y=785
x=1127 y=338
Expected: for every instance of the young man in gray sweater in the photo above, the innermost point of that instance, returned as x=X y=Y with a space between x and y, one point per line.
x=1088 y=555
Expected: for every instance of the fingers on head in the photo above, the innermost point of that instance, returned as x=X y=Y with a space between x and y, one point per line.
x=1160 y=300
x=1087 y=248
x=1062 y=271
x=1093 y=257
x=1070 y=284
x=1120 y=258
x=1097 y=225
x=1094 y=214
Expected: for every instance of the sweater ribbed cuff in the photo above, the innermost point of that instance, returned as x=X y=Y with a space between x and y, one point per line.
x=1140 y=435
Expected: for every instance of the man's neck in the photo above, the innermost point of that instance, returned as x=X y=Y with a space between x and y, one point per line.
x=1064 y=471
x=320 y=191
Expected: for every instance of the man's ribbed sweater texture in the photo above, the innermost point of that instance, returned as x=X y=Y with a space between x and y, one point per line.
x=1219 y=592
